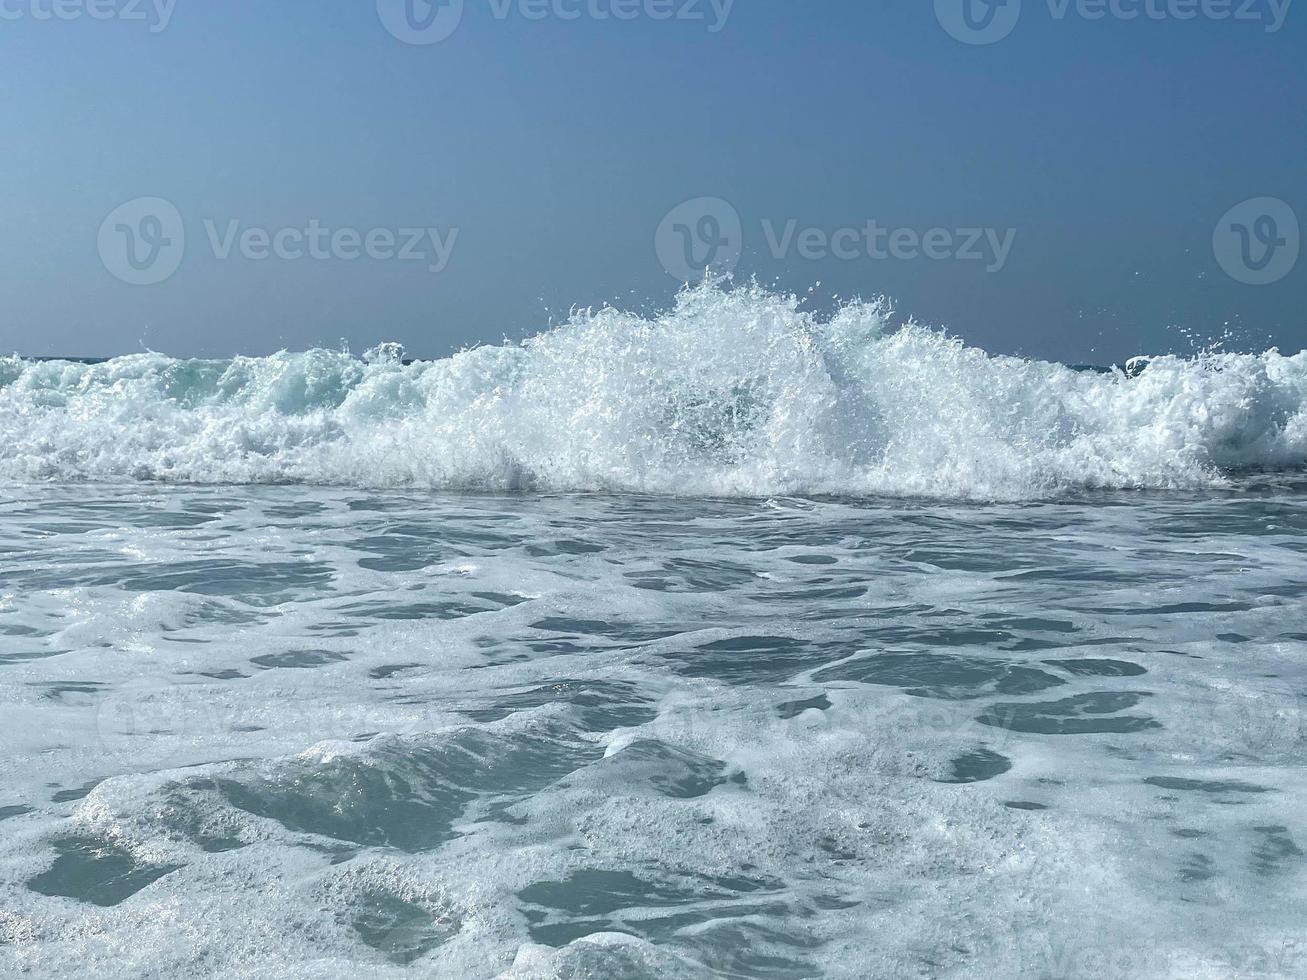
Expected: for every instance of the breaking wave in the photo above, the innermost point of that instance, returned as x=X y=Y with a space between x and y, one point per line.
x=733 y=392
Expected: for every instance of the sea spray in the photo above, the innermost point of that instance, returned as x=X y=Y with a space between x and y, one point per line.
x=733 y=392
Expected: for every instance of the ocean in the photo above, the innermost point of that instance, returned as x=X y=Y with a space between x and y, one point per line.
x=732 y=642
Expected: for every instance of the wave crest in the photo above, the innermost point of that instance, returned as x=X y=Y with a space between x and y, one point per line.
x=732 y=392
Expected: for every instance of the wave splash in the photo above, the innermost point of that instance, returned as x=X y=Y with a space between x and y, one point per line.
x=733 y=392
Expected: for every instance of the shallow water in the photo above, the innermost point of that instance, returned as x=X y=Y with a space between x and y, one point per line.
x=293 y=731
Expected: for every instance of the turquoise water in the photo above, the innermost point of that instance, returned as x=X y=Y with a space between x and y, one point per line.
x=737 y=642
x=271 y=731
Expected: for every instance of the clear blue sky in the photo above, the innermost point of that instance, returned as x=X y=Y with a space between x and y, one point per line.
x=1110 y=147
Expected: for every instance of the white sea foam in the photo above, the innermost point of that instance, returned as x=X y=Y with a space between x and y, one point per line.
x=319 y=732
x=733 y=392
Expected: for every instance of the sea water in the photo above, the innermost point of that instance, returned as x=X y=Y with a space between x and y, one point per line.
x=735 y=642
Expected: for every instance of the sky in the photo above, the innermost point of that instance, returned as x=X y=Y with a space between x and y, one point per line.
x=1080 y=180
